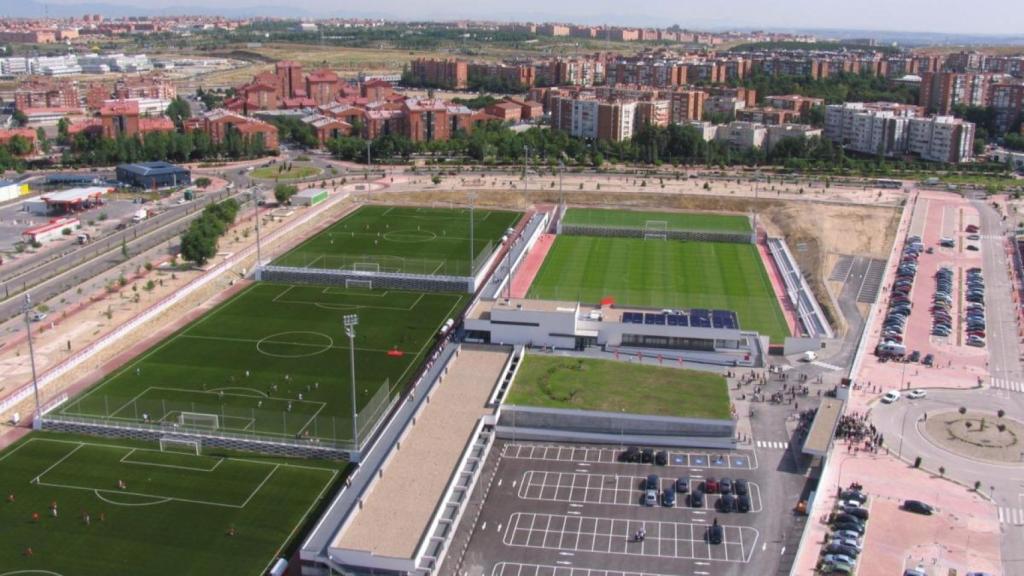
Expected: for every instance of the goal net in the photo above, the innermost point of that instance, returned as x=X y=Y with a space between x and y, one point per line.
x=655 y=230
x=180 y=445
x=371 y=267
x=199 y=420
x=360 y=284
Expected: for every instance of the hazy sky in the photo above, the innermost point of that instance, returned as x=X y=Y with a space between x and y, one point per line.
x=944 y=16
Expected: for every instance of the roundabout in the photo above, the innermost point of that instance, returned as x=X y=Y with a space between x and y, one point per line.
x=975 y=434
x=295 y=344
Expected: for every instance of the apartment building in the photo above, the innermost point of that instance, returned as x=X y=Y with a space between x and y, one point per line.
x=39 y=93
x=291 y=81
x=123 y=119
x=741 y=135
x=511 y=74
x=322 y=86
x=876 y=128
x=767 y=115
x=794 y=102
x=576 y=115
x=448 y=73
x=220 y=122
x=941 y=91
x=1007 y=101
x=655 y=112
x=616 y=120
x=941 y=139
x=686 y=105
x=776 y=134
x=660 y=74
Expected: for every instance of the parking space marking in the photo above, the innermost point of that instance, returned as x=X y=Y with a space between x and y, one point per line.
x=580 y=455
x=617 y=536
x=776 y=445
x=611 y=489
x=1006 y=384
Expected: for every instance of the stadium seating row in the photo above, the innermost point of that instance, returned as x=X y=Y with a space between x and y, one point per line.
x=698 y=317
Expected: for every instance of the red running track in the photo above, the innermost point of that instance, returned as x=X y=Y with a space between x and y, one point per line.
x=527 y=271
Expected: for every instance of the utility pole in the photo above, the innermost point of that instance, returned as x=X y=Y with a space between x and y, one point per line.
x=37 y=422
x=472 y=251
x=350 y=321
x=256 y=214
x=561 y=194
x=526 y=168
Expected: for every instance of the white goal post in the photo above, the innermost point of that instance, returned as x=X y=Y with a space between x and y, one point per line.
x=199 y=420
x=356 y=283
x=656 y=230
x=181 y=445
x=373 y=267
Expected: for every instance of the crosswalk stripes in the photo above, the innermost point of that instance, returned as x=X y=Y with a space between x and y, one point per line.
x=772 y=444
x=1014 y=516
x=1006 y=384
x=826 y=365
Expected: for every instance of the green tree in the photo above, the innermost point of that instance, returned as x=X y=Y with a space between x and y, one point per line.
x=198 y=245
x=202 y=182
x=284 y=192
x=178 y=111
x=63 y=126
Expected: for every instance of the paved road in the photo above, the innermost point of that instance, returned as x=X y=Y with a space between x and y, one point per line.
x=56 y=276
x=900 y=422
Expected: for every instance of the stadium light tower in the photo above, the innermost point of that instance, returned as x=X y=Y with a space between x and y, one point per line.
x=472 y=251
x=256 y=193
x=37 y=422
x=561 y=194
x=350 y=321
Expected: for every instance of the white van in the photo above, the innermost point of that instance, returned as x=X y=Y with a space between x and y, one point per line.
x=810 y=356
x=891 y=396
x=891 y=349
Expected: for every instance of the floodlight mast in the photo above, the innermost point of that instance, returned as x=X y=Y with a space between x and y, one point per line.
x=350 y=321
x=37 y=422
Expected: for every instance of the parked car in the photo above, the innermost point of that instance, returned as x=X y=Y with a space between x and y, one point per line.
x=650 y=498
x=725 y=486
x=668 y=498
x=740 y=487
x=918 y=507
x=631 y=454
x=727 y=503
x=715 y=533
x=743 y=503
x=683 y=484
x=652 y=482
x=710 y=485
x=661 y=458
x=696 y=499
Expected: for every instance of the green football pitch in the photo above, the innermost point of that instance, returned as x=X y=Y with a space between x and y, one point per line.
x=695 y=221
x=274 y=361
x=663 y=273
x=150 y=512
x=404 y=239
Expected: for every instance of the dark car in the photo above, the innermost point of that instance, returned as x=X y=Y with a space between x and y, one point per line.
x=845 y=517
x=861 y=514
x=725 y=486
x=928 y=360
x=740 y=487
x=838 y=548
x=849 y=526
x=855 y=495
x=715 y=533
x=683 y=484
x=646 y=455
x=668 y=498
x=696 y=499
x=631 y=454
x=727 y=503
x=743 y=503
x=661 y=458
x=652 y=483
x=914 y=356
x=918 y=507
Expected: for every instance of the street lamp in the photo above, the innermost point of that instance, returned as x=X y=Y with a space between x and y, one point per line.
x=526 y=168
x=561 y=195
x=37 y=422
x=256 y=193
x=350 y=321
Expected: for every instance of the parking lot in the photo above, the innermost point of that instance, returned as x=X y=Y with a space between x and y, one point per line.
x=573 y=510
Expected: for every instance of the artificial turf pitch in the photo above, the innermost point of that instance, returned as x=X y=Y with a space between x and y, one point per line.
x=693 y=221
x=174 y=515
x=274 y=361
x=663 y=274
x=404 y=239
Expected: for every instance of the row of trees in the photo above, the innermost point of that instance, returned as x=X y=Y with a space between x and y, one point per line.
x=95 y=150
x=494 y=143
x=834 y=89
x=199 y=241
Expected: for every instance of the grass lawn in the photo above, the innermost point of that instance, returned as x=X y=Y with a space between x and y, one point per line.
x=404 y=239
x=274 y=361
x=173 y=515
x=293 y=173
x=612 y=386
x=663 y=273
x=674 y=220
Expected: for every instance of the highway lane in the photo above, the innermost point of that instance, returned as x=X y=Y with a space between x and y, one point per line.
x=56 y=276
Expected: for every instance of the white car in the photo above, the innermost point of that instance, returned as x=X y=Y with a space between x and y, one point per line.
x=891 y=396
x=915 y=394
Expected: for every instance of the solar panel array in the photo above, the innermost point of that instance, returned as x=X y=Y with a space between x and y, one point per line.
x=698 y=318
